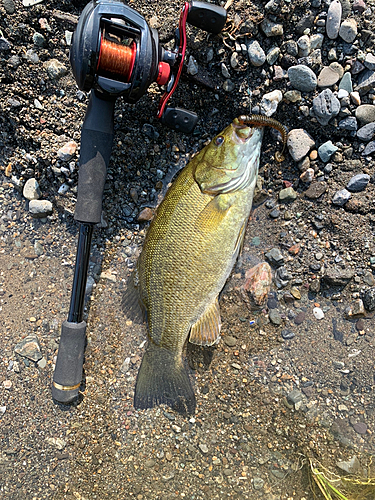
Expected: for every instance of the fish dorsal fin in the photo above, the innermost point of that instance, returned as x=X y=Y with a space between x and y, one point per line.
x=213 y=213
x=206 y=331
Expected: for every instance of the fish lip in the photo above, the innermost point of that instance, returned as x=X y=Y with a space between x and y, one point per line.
x=237 y=126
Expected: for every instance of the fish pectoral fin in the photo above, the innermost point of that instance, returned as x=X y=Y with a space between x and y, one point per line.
x=213 y=213
x=131 y=302
x=206 y=331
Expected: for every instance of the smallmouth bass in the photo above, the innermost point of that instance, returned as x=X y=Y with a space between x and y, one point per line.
x=189 y=251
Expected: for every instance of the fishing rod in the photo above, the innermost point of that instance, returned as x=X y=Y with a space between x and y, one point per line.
x=115 y=53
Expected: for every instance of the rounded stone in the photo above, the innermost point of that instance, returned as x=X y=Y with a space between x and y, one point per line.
x=330 y=75
x=358 y=183
x=326 y=150
x=348 y=30
x=326 y=106
x=334 y=19
x=40 y=208
x=341 y=197
x=302 y=78
x=257 y=56
x=299 y=143
x=365 y=113
x=31 y=190
x=367 y=132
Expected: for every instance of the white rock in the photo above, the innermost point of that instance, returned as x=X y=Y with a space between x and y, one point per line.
x=31 y=190
x=318 y=313
x=348 y=30
x=270 y=102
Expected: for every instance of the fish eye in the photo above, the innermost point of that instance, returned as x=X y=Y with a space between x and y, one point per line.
x=219 y=140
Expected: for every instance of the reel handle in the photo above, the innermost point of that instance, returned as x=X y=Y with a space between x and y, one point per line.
x=206 y=16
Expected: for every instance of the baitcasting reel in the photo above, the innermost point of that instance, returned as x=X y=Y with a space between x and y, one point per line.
x=114 y=53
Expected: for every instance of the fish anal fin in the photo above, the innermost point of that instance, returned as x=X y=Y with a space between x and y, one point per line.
x=131 y=302
x=213 y=213
x=206 y=331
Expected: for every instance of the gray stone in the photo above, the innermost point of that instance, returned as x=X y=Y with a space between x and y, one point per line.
x=273 y=55
x=31 y=190
x=333 y=19
x=4 y=45
x=295 y=397
x=326 y=150
x=40 y=208
x=192 y=67
x=369 y=299
x=316 y=41
x=39 y=40
x=258 y=483
x=365 y=113
x=316 y=190
x=348 y=123
x=370 y=62
x=326 y=106
x=341 y=197
x=9 y=6
x=348 y=30
x=291 y=47
x=304 y=46
x=302 y=78
x=275 y=257
x=228 y=86
x=367 y=132
x=31 y=56
x=358 y=183
x=257 y=56
x=274 y=317
x=272 y=29
x=299 y=143
x=346 y=82
x=287 y=334
x=55 y=69
x=29 y=348
x=350 y=467
x=224 y=70
x=366 y=82
x=369 y=149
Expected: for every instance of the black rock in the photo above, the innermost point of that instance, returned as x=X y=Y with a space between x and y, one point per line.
x=369 y=299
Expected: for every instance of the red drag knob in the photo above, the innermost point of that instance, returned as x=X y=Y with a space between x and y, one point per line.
x=164 y=72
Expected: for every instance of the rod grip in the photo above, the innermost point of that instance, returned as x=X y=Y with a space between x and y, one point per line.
x=67 y=376
x=96 y=147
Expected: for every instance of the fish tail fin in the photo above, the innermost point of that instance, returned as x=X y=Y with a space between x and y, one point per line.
x=162 y=378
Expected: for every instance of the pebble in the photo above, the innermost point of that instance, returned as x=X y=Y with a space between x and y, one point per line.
x=275 y=257
x=318 y=313
x=326 y=150
x=63 y=189
x=302 y=78
x=348 y=123
x=7 y=384
x=346 y=83
x=270 y=28
x=31 y=190
x=40 y=208
x=150 y=131
x=55 y=69
x=258 y=282
x=366 y=82
x=308 y=175
x=369 y=149
x=42 y=363
x=369 y=62
x=224 y=70
x=330 y=75
x=273 y=55
x=355 y=309
x=274 y=317
x=4 y=44
x=333 y=19
x=9 y=6
x=365 y=113
x=293 y=95
x=326 y=106
x=270 y=102
x=145 y=215
x=304 y=46
x=30 y=3
x=287 y=334
x=31 y=56
x=282 y=277
x=59 y=443
x=359 y=6
x=352 y=466
x=300 y=318
x=234 y=60
x=258 y=483
x=210 y=54
x=203 y=447
x=66 y=152
x=316 y=41
x=230 y=341
x=369 y=299
x=299 y=143
x=358 y=183
x=29 y=348
x=341 y=197
x=360 y=427
x=287 y=194
x=348 y=30
x=192 y=67
x=257 y=56
x=228 y=86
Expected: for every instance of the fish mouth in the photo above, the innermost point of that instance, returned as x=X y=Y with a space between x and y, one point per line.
x=241 y=132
